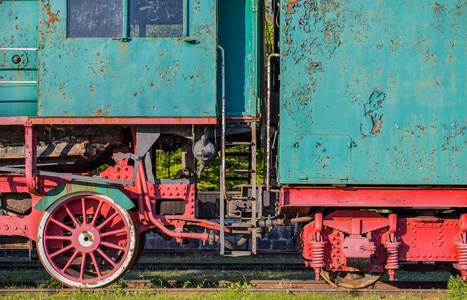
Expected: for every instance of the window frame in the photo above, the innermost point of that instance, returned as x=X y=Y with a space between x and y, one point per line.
x=125 y=36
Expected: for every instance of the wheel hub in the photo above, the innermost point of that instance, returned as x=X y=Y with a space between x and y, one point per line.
x=87 y=239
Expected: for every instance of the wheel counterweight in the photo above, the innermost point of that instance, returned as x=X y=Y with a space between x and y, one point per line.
x=86 y=240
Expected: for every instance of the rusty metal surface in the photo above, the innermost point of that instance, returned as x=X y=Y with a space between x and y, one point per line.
x=373 y=92
x=108 y=121
x=131 y=76
x=18 y=67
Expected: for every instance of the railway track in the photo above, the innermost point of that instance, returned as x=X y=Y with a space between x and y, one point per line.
x=7 y=265
x=173 y=287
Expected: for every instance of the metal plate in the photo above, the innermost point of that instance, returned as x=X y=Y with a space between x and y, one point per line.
x=391 y=75
x=144 y=77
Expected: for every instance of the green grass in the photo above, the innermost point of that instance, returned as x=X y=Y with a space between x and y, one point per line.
x=232 y=294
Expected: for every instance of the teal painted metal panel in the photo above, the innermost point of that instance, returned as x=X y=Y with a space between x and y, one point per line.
x=239 y=36
x=80 y=186
x=19 y=21
x=151 y=77
x=390 y=75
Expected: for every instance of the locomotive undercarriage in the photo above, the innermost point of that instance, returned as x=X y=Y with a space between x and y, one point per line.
x=353 y=247
x=90 y=235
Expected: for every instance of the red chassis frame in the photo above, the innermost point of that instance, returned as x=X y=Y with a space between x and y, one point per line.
x=146 y=193
x=345 y=238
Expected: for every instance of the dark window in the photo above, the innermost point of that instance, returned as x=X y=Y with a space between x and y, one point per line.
x=155 y=18
x=95 y=18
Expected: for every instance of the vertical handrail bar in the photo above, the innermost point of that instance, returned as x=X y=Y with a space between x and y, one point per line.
x=268 y=123
x=222 y=179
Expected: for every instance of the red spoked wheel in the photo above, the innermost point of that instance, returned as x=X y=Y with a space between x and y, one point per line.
x=86 y=240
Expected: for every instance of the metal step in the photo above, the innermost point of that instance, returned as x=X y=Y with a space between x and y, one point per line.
x=240 y=171
x=238 y=143
x=237 y=178
x=240 y=198
x=237 y=253
x=237 y=154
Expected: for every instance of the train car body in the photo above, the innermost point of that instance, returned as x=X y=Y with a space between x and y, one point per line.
x=372 y=103
x=373 y=93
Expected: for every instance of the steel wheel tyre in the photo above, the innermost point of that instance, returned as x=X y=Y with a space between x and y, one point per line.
x=351 y=280
x=86 y=240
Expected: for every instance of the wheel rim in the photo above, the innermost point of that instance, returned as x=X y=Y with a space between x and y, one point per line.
x=351 y=280
x=90 y=249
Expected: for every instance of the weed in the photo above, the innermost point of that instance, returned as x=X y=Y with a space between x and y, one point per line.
x=120 y=284
x=52 y=283
x=457 y=288
x=187 y=284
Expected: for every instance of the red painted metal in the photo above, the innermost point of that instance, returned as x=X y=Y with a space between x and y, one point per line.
x=28 y=121
x=356 y=234
x=392 y=247
x=31 y=160
x=461 y=245
x=317 y=245
x=86 y=235
x=373 y=197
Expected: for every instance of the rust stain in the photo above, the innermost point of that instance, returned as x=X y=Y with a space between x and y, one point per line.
x=52 y=17
x=290 y=6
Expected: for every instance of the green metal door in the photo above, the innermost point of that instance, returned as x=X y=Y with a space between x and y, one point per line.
x=18 y=57
x=149 y=58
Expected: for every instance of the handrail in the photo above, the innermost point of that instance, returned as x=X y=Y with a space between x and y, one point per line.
x=268 y=123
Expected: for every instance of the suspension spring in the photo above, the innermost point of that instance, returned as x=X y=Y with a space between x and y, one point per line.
x=317 y=257
x=392 y=261
x=462 y=266
x=317 y=254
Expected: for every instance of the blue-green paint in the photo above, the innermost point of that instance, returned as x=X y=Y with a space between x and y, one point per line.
x=239 y=36
x=147 y=77
x=19 y=21
x=79 y=187
x=382 y=84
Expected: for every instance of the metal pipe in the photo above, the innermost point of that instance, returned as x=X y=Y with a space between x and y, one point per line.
x=185 y=18
x=181 y=235
x=19 y=49
x=18 y=82
x=222 y=179
x=268 y=123
x=125 y=19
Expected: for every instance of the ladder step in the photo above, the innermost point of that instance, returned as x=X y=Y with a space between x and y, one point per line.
x=240 y=198
x=233 y=253
x=239 y=225
x=237 y=154
x=237 y=178
x=238 y=143
x=240 y=171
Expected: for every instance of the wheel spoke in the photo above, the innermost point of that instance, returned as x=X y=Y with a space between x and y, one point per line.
x=66 y=227
x=106 y=257
x=83 y=265
x=83 y=207
x=107 y=221
x=96 y=266
x=70 y=261
x=114 y=232
x=57 y=237
x=96 y=213
x=67 y=248
x=71 y=216
x=112 y=246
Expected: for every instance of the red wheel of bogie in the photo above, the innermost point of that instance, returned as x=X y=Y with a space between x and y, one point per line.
x=86 y=240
